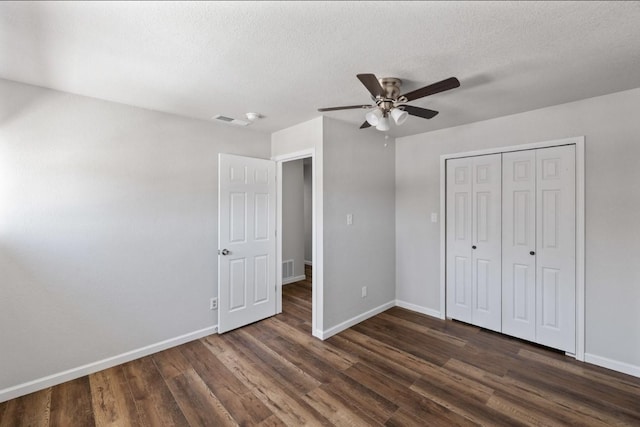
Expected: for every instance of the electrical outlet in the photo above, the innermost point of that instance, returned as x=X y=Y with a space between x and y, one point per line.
x=213 y=304
x=349 y=219
x=364 y=291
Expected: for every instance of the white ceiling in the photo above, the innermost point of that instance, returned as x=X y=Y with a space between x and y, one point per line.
x=286 y=59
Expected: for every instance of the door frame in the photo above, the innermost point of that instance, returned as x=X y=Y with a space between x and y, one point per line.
x=316 y=233
x=580 y=224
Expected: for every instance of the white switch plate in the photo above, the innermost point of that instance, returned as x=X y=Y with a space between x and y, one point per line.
x=349 y=219
x=364 y=291
x=434 y=217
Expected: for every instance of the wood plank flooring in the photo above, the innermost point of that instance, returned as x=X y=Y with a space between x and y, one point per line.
x=396 y=369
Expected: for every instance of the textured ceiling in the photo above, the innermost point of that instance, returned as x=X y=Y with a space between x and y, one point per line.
x=286 y=59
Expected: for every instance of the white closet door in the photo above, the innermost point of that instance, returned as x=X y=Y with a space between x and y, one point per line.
x=555 y=253
x=486 y=275
x=519 y=244
x=459 y=196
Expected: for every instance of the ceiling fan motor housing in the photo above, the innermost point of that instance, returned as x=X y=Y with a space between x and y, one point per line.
x=391 y=86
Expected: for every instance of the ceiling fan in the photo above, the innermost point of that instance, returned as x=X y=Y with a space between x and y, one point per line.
x=385 y=93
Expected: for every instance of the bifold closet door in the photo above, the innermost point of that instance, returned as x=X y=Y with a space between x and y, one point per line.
x=459 y=194
x=538 y=246
x=556 y=247
x=474 y=240
x=519 y=244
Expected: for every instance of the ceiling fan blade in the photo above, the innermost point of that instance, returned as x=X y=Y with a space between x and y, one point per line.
x=365 y=125
x=446 y=84
x=370 y=81
x=419 y=112
x=346 y=107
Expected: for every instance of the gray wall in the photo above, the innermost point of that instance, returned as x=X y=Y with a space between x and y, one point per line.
x=358 y=179
x=612 y=133
x=308 y=210
x=293 y=215
x=108 y=227
x=354 y=174
x=308 y=136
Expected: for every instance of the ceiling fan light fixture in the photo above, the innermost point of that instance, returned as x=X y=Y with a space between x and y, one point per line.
x=390 y=104
x=399 y=116
x=373 y=117
x=383 y=124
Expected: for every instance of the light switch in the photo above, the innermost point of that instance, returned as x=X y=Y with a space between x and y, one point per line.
x=434 y=217
x=349 y=219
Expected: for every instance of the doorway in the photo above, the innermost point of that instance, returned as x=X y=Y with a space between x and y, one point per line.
x=297 y=240
x=310 y=248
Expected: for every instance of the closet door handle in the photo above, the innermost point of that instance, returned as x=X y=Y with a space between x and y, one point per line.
x=473 y=247
x=532 y=253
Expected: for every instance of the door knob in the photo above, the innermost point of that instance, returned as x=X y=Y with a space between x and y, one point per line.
x=224 y=252
x=532 y=253
x=473 y=247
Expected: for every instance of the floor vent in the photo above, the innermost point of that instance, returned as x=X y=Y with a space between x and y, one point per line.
x=287 y=269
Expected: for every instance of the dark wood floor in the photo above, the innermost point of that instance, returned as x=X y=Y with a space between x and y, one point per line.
x=398 y=369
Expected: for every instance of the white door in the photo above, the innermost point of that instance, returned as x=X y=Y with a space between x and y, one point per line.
x=246 y=240
x=538 y=246
x=486 y=275
x=459 y=238
x=473 y=240
x=519 y=244
x=555 y=243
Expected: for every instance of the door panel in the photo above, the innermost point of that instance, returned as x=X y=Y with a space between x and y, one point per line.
x=483 y=282
x=237 y=217
x=461 y=280
x=459 y=239
x=555 y=255
x=549 y=221
x=237 y=284
x=261 y=276
x=518 y=240
x=550 y=298
x=246 y=229
x=486 y=211
x=473 y=275
x=261 y=230
x=522 y=300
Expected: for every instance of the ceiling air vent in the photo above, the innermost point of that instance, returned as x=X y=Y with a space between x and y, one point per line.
x=230 y=120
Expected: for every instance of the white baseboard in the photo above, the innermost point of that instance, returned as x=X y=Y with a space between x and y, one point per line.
x=419 y=309
x=355 y=320
x=308 y=263
x=294 y=279
x=604 y=362
x=90 y=368
x=625 y=368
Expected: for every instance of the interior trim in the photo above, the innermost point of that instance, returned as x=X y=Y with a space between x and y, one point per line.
x=109 y=362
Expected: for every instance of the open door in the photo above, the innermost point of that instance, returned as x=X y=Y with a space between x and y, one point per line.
x=246 y=240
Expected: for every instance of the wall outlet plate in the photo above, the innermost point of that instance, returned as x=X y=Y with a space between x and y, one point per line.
x=213 y=304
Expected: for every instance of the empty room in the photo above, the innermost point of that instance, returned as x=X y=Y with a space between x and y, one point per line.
x=319 y=213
